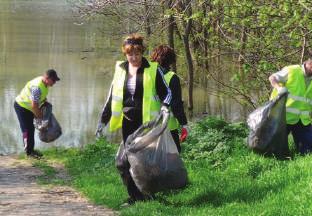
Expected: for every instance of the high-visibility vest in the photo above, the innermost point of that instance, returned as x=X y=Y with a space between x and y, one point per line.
x=173 y=121
x=24 y=98
x=151 y=103
x=299 y=101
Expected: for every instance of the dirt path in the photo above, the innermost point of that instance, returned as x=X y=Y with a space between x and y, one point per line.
x=21 y=195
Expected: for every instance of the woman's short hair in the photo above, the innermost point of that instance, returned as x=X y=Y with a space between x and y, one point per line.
x=133 y=43
x=164 y=55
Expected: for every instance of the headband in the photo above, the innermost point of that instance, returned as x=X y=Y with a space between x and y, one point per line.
x=133 y=42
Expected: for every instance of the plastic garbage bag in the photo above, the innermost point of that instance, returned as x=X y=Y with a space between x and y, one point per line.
x=48 y=126
x=155 y=163
x=46 y=110
x=268 y=132
x=121 y=158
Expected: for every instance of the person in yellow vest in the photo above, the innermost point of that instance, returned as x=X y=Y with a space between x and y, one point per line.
x=27 y=106
x=165 y=56
x=296 y=79
x=138 y=93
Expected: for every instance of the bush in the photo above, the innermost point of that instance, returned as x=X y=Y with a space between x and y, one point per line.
x=214 y=140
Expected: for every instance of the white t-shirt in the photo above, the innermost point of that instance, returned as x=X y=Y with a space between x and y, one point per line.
x=131 y=84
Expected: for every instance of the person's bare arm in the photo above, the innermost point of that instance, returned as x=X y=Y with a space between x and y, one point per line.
x=36 y=110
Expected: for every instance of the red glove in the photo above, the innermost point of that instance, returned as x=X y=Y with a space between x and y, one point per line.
x=184 y=133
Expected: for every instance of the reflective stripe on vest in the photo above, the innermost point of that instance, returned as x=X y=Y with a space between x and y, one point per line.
x=150 y=103
x=302 y=99
x=24 y=98
x=299 y=101
x=173 y=122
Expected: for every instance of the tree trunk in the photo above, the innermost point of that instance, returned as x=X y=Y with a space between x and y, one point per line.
x=171 y=32
x=188 y=54
x=243 y=40
x=190 y=66
x=206 y=35
x=206 y=45
x=147 y=20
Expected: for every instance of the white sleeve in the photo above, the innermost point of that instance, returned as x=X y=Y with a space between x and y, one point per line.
x=35 y=94
x=281 y=76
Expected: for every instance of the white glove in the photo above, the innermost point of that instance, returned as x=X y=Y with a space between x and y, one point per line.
x=281 y=90
x=164 y=109
x=99 y=130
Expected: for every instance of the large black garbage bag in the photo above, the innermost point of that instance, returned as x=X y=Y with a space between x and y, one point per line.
x=121 y=159
x=268 y=132
x=48 y=126
x=155 y=163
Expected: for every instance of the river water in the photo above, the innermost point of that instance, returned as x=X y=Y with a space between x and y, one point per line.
x=36 y=35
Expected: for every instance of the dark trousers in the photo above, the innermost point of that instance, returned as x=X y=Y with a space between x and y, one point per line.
x=302 y=136
x=26 y=119
x=128 y=127
x=176 y=139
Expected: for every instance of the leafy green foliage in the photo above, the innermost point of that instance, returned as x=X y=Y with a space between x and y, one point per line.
x=246 y=39
x=260 y=37
x=214 y=139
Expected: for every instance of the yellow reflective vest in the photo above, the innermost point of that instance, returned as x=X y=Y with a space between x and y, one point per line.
x=151 y=103
x=299 y=101
x=173 y=122
x=24 y=98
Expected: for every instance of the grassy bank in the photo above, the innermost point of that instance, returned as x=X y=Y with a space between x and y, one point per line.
x=225 y=178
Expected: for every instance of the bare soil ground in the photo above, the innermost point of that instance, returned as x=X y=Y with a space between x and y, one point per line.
x=21 y=195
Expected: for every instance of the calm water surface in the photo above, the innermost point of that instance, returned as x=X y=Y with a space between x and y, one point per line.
x=42 y=34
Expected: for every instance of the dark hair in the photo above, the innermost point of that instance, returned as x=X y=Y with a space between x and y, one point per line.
x=133 y=43
x=164 y=55
x=51 y=73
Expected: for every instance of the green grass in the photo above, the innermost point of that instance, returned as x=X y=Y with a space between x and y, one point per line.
x=225 y=178
x=49 y=173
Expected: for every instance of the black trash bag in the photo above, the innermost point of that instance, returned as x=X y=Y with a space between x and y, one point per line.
x=268 y=132
x=48 y=126
x=155 y=163
x=121 y=159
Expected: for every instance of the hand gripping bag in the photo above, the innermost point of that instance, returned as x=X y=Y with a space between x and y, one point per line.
x=48 y=126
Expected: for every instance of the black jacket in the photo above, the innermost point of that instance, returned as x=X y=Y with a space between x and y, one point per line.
x=176 y=104
x=132 y=105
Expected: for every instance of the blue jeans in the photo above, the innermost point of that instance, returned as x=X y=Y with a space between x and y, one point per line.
x=302 y=136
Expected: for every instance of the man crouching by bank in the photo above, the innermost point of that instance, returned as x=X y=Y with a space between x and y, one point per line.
x=27 y=106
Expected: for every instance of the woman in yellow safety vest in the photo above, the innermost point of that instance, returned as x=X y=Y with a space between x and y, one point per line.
x=138 y=92
x=165 y=56
x=297 y=80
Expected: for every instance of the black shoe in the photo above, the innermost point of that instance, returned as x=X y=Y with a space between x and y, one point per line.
x=38 y=153
x=128 y=203
x=150 y=197
x=34 y=154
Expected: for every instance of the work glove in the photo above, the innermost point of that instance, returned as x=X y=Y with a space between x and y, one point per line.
x=184 y=133
x=281 y=90
x=99 y=130
x=164 y=109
